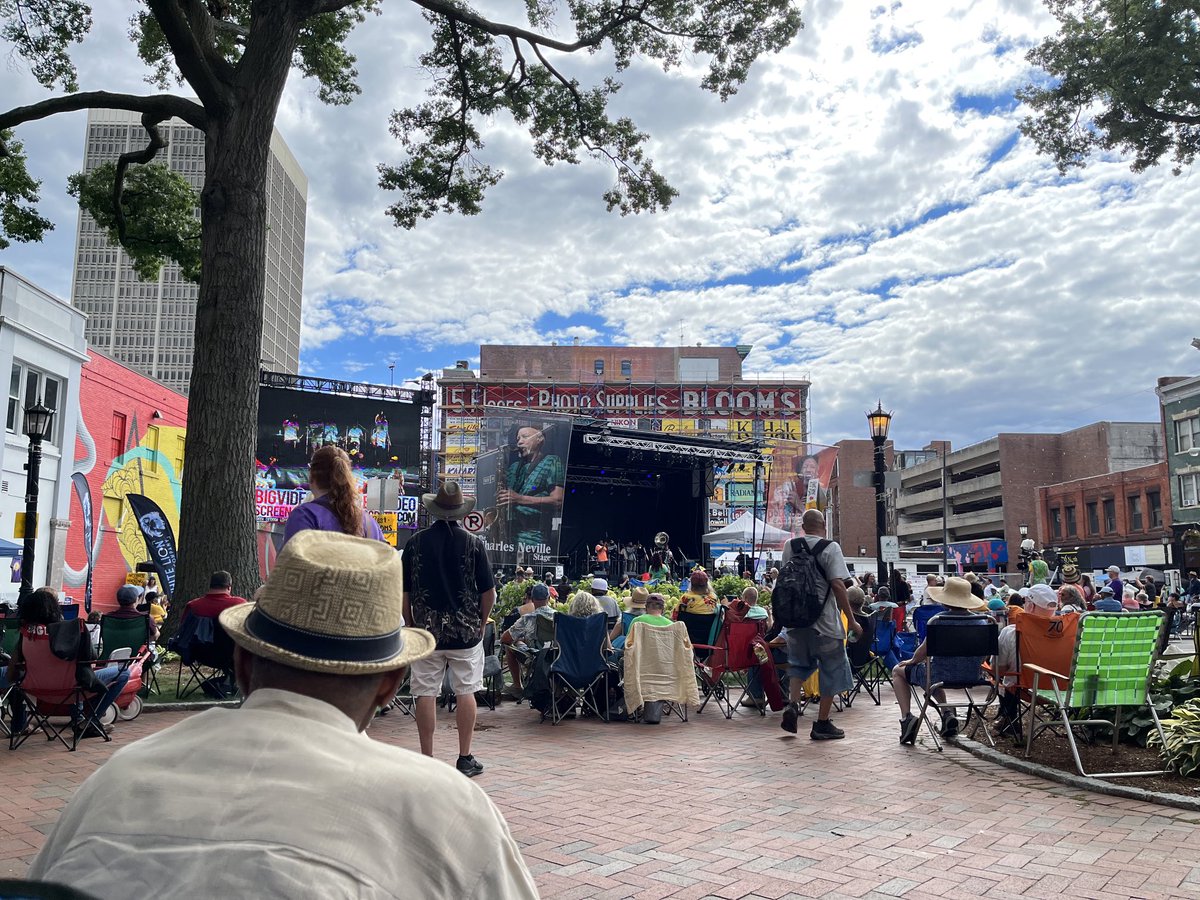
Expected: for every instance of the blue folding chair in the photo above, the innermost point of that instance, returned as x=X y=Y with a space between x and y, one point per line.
x=579 y=673
x=921 y=616
x=884 y=645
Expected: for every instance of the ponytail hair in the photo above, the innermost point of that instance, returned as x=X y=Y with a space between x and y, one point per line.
x=330 y=471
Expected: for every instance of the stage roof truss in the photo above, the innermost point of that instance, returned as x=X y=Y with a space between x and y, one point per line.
x=677 y=448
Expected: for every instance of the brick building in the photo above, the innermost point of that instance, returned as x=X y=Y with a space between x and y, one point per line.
x=1179 y=400
x=1118 y=518
x=990 y=488
x=131 y=439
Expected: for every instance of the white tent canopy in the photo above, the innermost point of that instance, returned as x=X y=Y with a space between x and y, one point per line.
x=746 y=528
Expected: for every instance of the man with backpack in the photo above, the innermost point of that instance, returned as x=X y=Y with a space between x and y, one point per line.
x=809 y=599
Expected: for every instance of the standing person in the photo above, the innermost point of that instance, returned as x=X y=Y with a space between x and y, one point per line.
x=448 y=591
x=904 y=595
x=822 y=646
x=601 y=558
x=337 y=503
x=1114 y=582
x=287 y=796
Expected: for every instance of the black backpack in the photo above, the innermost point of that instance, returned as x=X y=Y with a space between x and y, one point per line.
x=795 y=600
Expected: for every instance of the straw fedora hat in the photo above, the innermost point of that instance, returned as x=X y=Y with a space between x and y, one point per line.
x=957 y=593
x=332 y=604
x=638 y=598
x=449 y=503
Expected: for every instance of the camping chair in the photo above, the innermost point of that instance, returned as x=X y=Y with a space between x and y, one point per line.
x=732 y=655
x=1045 y=641
x=659 y=670
x=867 y=668
x=921 y=616
x=493 y=674
x=206 y=651
x=1111 y=666
x=957 y=647
x=543 y=637
x=579 y=670
x=702 y=630
x=884 y=645
x=117 y=634
x=50 y=688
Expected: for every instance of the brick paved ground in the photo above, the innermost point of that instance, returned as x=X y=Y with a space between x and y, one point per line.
x=738 y=809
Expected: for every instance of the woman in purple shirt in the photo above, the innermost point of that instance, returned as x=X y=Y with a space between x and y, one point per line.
x=337 y=502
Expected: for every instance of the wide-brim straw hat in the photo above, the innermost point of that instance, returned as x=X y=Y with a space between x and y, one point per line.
x=638 y=598
x=957 y=593
x=449 y=503
x=332 y=604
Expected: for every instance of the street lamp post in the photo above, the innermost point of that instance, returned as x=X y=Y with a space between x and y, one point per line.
x=37 y=429
x=880 y=421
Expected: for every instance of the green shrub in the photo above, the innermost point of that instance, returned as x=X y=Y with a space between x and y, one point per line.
x=511 y=596
x=1182 y=751
x=731 y=586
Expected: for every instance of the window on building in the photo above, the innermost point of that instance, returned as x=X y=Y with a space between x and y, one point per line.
x=627 y=368
x=699 y=368
x=180 y=448
x=599 y=367
x=1154 y=504
x=1189 y=489
x=152 y=446
x=1056 y=522
x=26 y=387
x=118 y=435
x=1110 y=515
x=1187 y=434
x=1072 y=525
x=1135 y=513
x=1093 y=520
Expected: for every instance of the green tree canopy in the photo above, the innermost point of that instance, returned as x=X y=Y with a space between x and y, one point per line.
x=1122 y=75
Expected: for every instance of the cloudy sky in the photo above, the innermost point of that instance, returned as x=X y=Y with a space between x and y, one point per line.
x=864 y=213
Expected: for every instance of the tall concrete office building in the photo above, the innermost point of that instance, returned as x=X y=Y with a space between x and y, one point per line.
x=149 y=325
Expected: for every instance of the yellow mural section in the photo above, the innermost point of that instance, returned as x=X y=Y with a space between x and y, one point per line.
x=153 y=469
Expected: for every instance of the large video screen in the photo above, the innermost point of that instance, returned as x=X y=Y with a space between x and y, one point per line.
x=382 y=437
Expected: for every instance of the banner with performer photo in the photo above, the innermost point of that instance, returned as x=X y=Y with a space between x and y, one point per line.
x=520 y=483
x=799 y=479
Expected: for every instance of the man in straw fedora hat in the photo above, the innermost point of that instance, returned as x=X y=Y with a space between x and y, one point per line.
x=449 y=590
x=958 y=599
x=287 y=796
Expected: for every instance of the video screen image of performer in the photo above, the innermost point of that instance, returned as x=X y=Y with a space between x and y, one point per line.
x=534 y=487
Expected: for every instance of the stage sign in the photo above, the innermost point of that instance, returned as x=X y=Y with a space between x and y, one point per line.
x=521 y=485
x=382 y=438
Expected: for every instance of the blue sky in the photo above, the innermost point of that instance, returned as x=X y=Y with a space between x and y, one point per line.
x=864 y=212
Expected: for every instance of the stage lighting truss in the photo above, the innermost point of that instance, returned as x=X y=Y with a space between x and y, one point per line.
x=613 y=482
x=699 y=451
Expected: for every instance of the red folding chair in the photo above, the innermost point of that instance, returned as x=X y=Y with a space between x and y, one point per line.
x=730 y=659
x=50 y=688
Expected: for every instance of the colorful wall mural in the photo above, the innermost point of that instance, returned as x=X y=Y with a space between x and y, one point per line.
x=131 y=442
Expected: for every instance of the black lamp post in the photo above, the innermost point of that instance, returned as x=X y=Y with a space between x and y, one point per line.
x=879 y=420
x=37 y=429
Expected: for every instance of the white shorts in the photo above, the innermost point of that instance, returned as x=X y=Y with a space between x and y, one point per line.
x=466 y=672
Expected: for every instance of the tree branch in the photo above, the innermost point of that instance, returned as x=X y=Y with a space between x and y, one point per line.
x=468 y=17
x=1176 y=118
x=194 y=58
x=166 y=104
x=150 y=121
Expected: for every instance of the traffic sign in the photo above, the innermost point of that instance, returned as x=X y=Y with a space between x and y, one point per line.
x=473 y=522
x=889 y=547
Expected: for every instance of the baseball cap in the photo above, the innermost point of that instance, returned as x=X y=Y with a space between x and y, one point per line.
x=1043 y=595
x=1116 y=569
x=599 y=584
x=540 y=592
x=1106 y=590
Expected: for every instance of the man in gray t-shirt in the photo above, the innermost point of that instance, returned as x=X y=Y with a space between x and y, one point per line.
x=821 y=647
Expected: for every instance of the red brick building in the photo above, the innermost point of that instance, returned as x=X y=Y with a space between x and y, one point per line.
x=1118 y=518
x=130 y=440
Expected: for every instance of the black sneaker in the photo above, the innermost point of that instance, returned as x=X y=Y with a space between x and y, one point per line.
x=910 y=725
x=949 y=726
x=791 y=715
x=469 y=766
x=826 y=731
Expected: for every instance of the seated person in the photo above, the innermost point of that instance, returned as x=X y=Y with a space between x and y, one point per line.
x=524 y=609
x=756 y=612
x=1070 y=599
x=608 y=604
x=654 y=607
x=1106 y=602
x=585 y=604
x=158 y=606
x=127 y=599
x=41 y=617
x=959 y=600
x=519 y=637
x=1043 y=603
x=699 y=599
x=637 y=606
x=219 y=598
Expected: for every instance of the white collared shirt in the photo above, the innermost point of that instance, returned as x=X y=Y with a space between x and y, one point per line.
x=281 y=798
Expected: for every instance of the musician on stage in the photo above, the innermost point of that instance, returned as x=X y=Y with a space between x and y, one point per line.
x=534 y=487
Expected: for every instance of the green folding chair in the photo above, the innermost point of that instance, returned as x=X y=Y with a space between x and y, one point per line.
x=1113 y=661
x=117 y=634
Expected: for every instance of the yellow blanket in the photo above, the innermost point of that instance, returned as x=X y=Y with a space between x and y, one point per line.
x=658 y=665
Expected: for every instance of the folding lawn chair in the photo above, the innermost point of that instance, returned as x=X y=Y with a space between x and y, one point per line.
x=884 y=644
x=48 y=689
x=921 y=616
x=732 y=657
x=957 y=647
x=579 y=669
x=206 y=651
x=659 y=672
x=1112 y=666
x=1044 y=641
x=118 y=633
x=543 y=637
x=867 y=668
x=702 y=630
